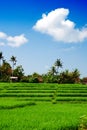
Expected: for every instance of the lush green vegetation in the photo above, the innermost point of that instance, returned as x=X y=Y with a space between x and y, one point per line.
x=43 y=116
x=9 y=73
x=32 y=106
x=44 y=92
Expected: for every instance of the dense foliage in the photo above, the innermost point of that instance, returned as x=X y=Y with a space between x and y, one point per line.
x=52 y=76
x=7 y=71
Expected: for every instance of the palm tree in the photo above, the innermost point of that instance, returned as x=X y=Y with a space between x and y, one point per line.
x=76 y=73
x=53 y=70
x=1 y=57
x=13 y=60
x=58 y=64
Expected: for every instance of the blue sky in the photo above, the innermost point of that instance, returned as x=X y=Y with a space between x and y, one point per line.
x=38 y=32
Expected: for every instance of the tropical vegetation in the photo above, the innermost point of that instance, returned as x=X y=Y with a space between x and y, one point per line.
x=55 y=100
x=9 y=71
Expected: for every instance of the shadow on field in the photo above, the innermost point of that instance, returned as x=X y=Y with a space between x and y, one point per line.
x=17 y=106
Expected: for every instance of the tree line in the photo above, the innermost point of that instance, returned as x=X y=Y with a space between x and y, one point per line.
x=52 y=76
x=7 y=71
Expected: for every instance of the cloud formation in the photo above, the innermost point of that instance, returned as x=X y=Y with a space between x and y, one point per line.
x=15 y=41
x=56 y=24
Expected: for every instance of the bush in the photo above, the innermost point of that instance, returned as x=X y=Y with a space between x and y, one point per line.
x=5 y=78
x=25 y=79
x=33 y=80
x=83 y=123
x=84 y=80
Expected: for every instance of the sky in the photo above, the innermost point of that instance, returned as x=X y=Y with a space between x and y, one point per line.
x=38 y=32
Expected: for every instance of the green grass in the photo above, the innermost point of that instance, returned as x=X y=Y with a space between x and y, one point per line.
x=44 y=92
x=9 y=103
x=72 y=99
x=25 y=106
x=43 y=116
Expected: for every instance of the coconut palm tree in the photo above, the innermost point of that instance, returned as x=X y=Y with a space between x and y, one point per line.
x=58 y=64
x=1 y=57
x=53 y=70
x=13 y=60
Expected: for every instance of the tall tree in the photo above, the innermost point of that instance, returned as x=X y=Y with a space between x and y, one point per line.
x=6 y=71
x=1 y=57
x=19 y=72
x=53 y=70
x=13 y=60
x=76 y=75
x=58 y=64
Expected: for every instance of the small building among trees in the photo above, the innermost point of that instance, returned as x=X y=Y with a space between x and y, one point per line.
x=13 y=79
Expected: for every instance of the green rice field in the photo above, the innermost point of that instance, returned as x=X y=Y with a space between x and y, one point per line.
x=25 y=106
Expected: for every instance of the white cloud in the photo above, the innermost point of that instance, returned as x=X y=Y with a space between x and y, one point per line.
x=15 y=41
x=2 y=35
x=59 y=27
